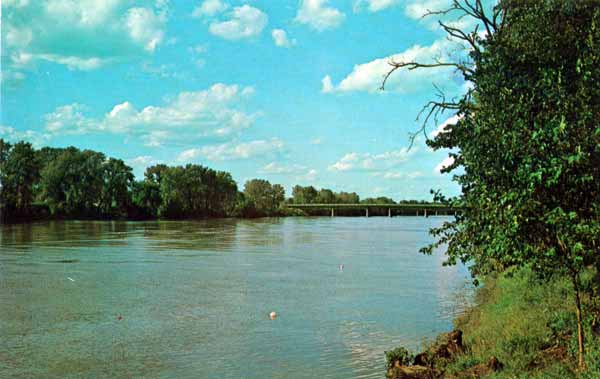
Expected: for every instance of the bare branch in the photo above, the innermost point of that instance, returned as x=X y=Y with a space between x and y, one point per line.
x=414 y=65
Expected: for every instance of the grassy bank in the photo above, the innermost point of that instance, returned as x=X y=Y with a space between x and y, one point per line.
x=529 y=326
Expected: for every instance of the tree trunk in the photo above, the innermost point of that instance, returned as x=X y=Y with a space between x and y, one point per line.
x=580 y=340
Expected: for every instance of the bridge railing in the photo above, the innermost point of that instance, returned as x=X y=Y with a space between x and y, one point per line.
x=418 y=209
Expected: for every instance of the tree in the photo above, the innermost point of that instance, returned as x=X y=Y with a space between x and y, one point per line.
x=20 y=172
x=4 y=153
x=116 y=189
x=72 y=184
x=348 y=198
x=304 y=195
x=527 y=139
x=325 y=196
x=146 y=198
x=266 y=197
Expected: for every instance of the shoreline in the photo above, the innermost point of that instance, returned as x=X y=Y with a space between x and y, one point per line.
x=518 y=326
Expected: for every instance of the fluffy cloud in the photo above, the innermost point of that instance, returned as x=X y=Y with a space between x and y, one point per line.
x=394 y=175
x=232 y=151
x=318 y=15
x=244 y=22
x=369 y=76
x=13 y=135
x=448 y=161
x=280 y=38
x=80 y=34
x=309 y=176
x=440 y=129
x=145 y=27
x=278 y=168
x=368 y=161
x=209 y=8
x=416 y=9
x=373 y=5
x=327 y=85
x=186 y=117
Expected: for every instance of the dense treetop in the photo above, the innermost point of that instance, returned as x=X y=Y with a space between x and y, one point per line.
x=527 y=140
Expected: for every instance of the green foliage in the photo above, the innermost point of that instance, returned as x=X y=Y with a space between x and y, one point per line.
x=378 y=200
x=187 y=192
x=399 y=354
x=304 y=195
x=266 y=197
x=309 y=195
x=526 y=323
x=528 y=143
x=19 y=171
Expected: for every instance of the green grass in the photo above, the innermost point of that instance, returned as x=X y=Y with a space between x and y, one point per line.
x=529 y=326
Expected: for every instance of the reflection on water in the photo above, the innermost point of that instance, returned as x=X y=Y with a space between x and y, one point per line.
x=191 y=299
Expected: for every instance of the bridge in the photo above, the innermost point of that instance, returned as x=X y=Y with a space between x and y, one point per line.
x=417 y=209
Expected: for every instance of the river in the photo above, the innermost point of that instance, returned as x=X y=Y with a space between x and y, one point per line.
x=182 y=299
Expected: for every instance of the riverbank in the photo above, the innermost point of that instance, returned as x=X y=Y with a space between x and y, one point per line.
x=525 y=325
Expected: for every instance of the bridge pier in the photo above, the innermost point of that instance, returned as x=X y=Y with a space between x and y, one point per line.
x=367 y=212
x=332 y=212
x=426 y=212
x=389 y=212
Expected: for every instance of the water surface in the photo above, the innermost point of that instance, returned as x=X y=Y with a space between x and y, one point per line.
x=192 y=299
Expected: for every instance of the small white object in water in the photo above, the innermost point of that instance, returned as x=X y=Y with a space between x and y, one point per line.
x=71 y=279
x=272 y=315
x=342 y=267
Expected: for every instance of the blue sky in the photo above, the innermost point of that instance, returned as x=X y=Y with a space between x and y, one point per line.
x=281 y=90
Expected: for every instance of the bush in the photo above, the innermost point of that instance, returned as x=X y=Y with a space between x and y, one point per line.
x=399 y=354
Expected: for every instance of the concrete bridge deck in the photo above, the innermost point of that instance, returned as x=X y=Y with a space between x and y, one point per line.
x=418 y=209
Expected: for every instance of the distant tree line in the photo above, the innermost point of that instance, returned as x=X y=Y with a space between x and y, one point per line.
x=73 y=183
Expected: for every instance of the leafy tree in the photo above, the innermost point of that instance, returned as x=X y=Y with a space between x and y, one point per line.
x=378 y=200
x=73 y=183
x=20 y=172
x=348 y=198
x=265 y=196
x=146 y=199
x=527 y=140
x=4 y=153
x=325 y=196
x=304 y=195
x=116 y=189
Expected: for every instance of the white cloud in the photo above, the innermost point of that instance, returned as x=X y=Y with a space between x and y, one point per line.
x=347 y=162
x=244 y=22
x=372 y=162
x=373 y=5
x=143 y=160
x=369 y=76
x=210 y=8
x=318 y=15
x=14 y=3
x=281 y=39
x=140 y=163
x=327 y=85
x=80 y=34
x=73 y=62
x=13 y=135
x=278 y=168
x=440 y=129
x=310 y=176
x=188 y=116
x=402 y=175
x=232 y=151
x=448 y=161
x=416 y=9
x=146 y=27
